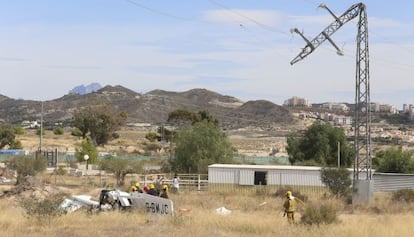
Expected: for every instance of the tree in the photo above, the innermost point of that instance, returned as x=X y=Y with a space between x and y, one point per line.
x=394 y=160
x=184 y=117
x=26 y=166
x=87 y=148
x=181 y=117
x=8 y=137
x=337 y=180
x=319 y=145
x=200 y=145
x=99 y=122
x=120 y=168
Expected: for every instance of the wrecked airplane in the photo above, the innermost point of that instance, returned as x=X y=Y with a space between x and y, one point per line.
x=119 y=200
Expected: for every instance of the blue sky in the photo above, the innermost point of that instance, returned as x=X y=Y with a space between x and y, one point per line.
x=237 y=48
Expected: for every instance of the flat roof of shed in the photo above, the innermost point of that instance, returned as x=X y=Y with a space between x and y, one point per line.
x=268 y=167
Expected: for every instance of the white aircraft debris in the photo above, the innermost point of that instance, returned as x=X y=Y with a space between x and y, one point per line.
x=223 y=211
x=119 y=200
x=77 y=201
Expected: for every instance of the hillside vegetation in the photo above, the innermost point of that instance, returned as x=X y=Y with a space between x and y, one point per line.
x=152 y=107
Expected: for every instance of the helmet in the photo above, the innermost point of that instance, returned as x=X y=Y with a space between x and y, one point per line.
x=289 y=193
x=151 y=186
x=165 y=187
x=133 y=188
x=137 y=184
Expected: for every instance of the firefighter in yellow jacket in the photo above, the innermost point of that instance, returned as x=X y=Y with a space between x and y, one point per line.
x=290 y=207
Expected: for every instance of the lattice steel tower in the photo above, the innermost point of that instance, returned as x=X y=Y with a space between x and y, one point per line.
x=362 y=175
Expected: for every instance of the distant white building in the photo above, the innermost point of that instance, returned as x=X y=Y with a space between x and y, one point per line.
x=30 y=124
x=343 y=120
x=325 y=116
x=296 y=102
x=335 y=106
x=250 y=175
x=408 y=109
x=383 y=108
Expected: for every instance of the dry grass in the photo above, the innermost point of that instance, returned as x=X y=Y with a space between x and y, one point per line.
x=129 y=140
x=248 y=218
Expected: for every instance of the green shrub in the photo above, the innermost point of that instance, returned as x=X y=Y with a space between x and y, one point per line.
x=58 y=131
x=115 y=135
x=338 y=181
x=19 y=130
x=151 y=136
x=38 y=132
x=17 y=145
x=321 y=213
x=403 y=195
x=60 y=171
x=42 y=210
x=76 y=132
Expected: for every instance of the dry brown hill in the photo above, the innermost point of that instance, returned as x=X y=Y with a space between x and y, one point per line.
x=152 y=107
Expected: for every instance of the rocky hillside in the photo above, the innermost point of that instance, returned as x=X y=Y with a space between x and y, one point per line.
x=152 y=107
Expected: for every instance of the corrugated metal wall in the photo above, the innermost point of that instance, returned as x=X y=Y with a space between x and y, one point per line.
x=294 y=177
x=392 y=182
x=246 y=177
x=223 y=176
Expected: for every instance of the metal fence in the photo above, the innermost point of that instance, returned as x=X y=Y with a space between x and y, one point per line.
x=387 y=182
x=309 y=183
x=188 y=182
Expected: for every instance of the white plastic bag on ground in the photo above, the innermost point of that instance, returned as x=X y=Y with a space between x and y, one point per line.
x=223 y=211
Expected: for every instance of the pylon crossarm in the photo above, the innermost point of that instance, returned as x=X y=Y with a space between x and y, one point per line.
x=311 y=45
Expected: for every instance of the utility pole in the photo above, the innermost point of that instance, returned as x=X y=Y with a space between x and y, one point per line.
x=41 y=128
x=362 y=176
x=339 y=154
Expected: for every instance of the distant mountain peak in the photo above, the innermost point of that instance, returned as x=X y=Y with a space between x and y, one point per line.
x=82 y=89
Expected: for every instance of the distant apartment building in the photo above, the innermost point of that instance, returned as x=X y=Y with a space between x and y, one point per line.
x=343 y=120
x=325 y=116
x=296 y=102
x=335 y=106
x=383 y=108
x=408 y=109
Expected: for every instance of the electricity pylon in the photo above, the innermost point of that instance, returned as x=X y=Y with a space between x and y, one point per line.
x=362 y=120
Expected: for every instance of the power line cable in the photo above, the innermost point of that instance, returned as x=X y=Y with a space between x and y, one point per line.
x=313 y=3
x=155 y=11
x=262 y=25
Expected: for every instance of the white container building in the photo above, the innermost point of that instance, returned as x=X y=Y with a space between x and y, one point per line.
x=250 y=175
